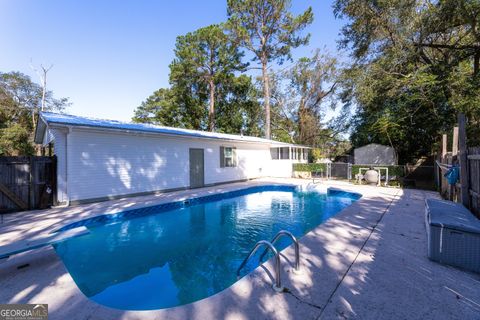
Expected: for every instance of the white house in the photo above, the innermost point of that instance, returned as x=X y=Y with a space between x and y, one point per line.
x=375 y=154
x=106 y=159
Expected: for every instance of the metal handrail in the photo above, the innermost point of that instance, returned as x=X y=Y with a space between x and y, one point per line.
x=297 y=247
x=278 y=285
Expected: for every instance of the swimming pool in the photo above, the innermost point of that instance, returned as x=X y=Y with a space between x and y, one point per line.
x=177 y=253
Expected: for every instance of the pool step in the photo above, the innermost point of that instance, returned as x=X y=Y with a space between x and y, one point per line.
x=40 y=241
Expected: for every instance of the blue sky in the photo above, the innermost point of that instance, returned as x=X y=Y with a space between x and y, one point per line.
x=108 y=56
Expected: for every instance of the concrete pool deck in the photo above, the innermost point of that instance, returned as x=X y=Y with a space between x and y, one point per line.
x=367 y=262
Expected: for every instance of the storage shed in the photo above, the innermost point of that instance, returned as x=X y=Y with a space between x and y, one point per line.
x=375 y=154
x=106 y=159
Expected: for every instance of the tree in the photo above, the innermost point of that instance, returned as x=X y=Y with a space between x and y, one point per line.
x=212 y=58
x=159 y=108
x=238 y=107
x=203 y=73
x=313 y=82
x=416 y=66
x=269 y=31
x=43 y=79
x=20 y=103
x=300 y=96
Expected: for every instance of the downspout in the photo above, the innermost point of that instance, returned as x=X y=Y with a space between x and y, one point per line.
x=66 y=166
x=67 y=202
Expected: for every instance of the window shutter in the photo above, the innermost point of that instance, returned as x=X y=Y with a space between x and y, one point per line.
x=222 y=157
x=234 y=156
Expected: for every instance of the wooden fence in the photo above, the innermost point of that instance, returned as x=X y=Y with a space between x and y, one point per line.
x=27 y=183
x=473 y=157
x=467 y=190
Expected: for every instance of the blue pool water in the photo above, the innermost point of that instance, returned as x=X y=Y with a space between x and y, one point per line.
x=174 y=254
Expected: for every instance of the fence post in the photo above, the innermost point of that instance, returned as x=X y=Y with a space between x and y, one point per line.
x=31 y=189
x=455 y=142
x=53 y=172
x=443 y=180
x=462 y=144
x=453 y=191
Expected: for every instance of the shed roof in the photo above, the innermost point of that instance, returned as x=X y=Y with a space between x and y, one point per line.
x=59 y=119
x=374 y=144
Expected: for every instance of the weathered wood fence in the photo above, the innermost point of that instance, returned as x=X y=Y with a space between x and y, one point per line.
x=467 y=190
x=473 y=157
x=27 y=183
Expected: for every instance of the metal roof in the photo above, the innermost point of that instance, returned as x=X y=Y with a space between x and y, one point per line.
x=50 y=118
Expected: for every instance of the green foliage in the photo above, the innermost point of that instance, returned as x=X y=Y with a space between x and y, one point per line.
x=269 y=31
x=208 y=59
x=300 y=96
x=316 y=154
x=267 y=28
x=238 y=109
x=416 y=66
x=159 y=108
x=310 y=167
x=205 y=92
x=20 y=103
x=398 y=171
x=16 y=140
x=312 y=86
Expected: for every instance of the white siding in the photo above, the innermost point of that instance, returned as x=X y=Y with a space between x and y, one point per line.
x=111 y=164
x=280 y=168
x=98 y=164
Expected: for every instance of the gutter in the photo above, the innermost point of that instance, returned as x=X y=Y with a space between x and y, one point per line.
x=173 y=135
x=67 y=202
x=67 y=148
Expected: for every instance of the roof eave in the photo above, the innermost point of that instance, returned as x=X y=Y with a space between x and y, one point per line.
x=40 y=129
x=173 y=135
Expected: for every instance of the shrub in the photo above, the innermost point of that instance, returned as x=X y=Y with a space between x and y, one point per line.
x=398 y=171
x=310 y=167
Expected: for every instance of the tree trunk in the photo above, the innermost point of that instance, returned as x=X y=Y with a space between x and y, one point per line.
x=476 y=63
x=266 y=97
x=211 y=110
x=44 y=90
x=301 y=120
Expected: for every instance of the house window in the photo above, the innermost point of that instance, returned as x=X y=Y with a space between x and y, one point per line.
x=285 y=153
x=275 y=153
x=228 y=157
x=282 y=153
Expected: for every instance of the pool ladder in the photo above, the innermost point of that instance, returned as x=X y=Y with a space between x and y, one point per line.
x=277 y=286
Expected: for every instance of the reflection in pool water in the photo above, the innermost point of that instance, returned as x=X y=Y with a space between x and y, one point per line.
x=186 y=254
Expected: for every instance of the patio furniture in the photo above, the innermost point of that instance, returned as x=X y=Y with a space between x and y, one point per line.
x=453 y=234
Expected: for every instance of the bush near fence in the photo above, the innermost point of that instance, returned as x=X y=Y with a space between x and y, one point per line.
x=310 y=167
x=398 y=171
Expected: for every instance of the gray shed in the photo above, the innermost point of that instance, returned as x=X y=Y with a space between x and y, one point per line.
x=374 y=153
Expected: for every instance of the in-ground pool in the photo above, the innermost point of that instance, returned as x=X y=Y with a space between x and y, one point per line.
x=176 y=253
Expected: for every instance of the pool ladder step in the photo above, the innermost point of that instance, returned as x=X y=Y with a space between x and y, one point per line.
x=277 y=286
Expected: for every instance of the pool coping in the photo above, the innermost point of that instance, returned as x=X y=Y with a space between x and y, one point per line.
x=260 y=279
x=327 y=254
